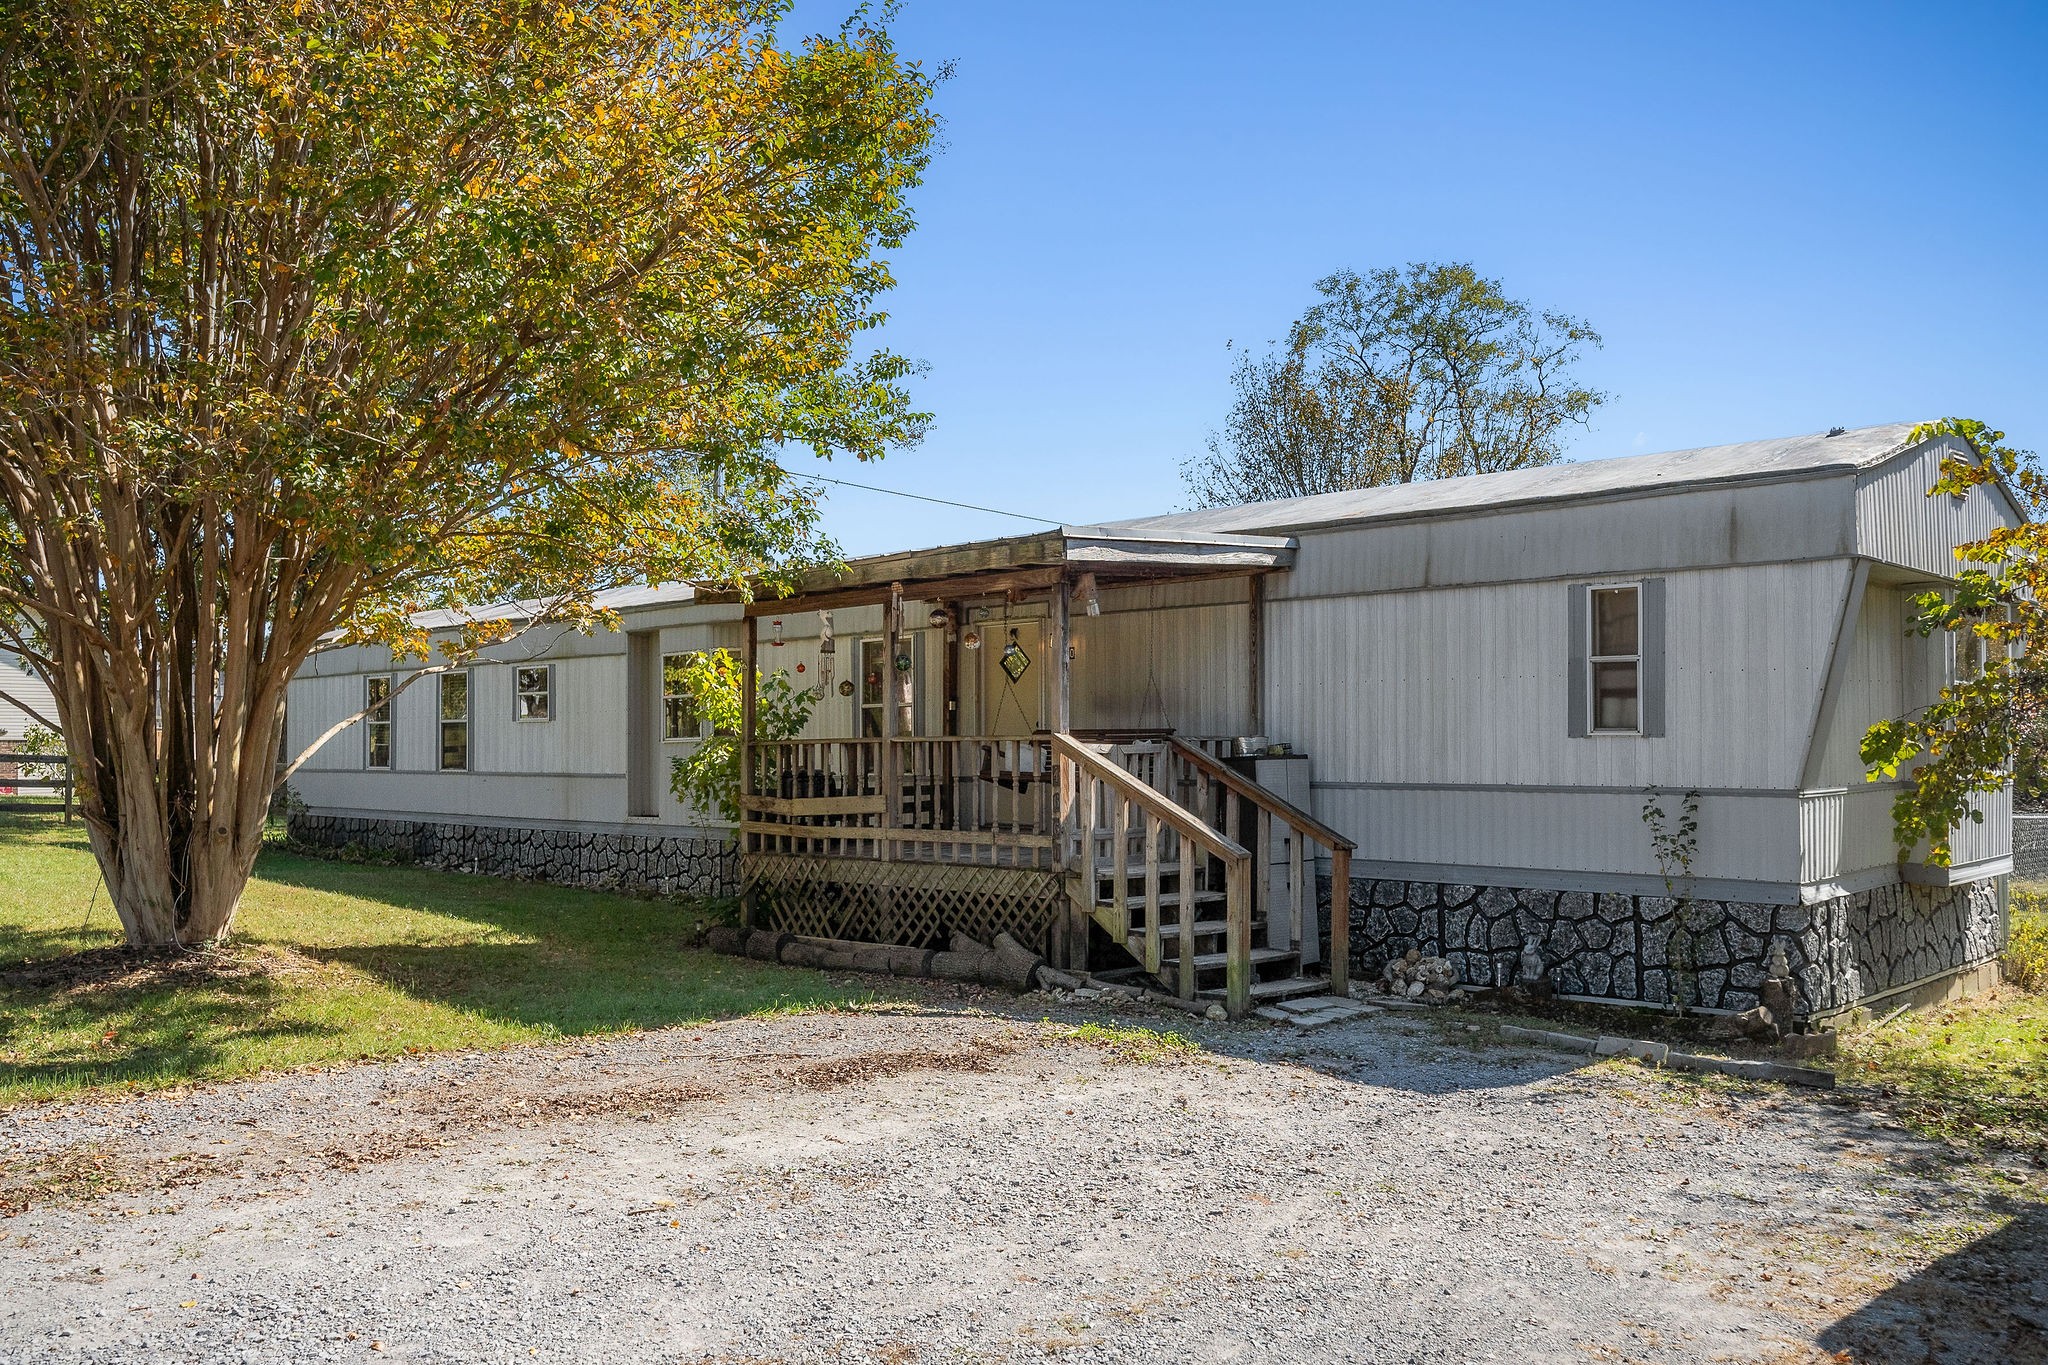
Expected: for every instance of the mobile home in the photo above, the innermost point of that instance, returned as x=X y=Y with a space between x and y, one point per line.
x=1258 y=745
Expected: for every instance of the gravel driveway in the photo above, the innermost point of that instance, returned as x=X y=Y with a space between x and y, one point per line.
x=947 y=1185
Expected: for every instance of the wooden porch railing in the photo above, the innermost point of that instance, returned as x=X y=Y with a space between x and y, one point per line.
x=983 y=800
x=1136 y=809
x=1106 y=804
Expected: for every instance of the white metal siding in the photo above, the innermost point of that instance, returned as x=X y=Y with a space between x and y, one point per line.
x=587 y=732
x=26 y=686
x=465 y=796
x=1976 y=843
x=1177 y=657
x=1898 y=523
x=314 y=704
x=1873 y=685
x=1844 y=833
x=1468 y=685
x=1744 y=838
x=1692 y=528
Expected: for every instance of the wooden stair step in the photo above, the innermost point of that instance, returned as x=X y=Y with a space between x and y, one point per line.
x=1172 y=930
x=1166 y=899
x=1259 y=957
x=1285 y=988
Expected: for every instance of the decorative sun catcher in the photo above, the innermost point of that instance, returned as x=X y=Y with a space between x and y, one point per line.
x=1014 y=660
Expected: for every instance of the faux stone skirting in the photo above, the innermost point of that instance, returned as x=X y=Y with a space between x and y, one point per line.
x=670 y=866
x=1637 y=948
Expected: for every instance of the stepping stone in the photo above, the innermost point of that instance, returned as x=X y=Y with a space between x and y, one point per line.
x=1314 y=1011
x=1320 y=1004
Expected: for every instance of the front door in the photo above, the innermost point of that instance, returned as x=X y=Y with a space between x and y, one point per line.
x=1013 y=677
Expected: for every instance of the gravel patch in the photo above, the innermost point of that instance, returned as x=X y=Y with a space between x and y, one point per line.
x=927 y=1184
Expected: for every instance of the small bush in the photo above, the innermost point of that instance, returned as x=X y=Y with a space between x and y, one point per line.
x=2026 y=952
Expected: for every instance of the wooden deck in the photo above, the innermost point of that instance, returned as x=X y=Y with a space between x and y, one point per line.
x=1204 y=878
x=1148 y=836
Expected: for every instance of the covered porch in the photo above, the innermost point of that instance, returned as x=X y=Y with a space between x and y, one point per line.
x=1038 y=736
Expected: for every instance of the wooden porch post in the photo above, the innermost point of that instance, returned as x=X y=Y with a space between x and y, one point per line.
x=954 y=629
x=1062 y=721
x=749 y=777
x=895 y=686
x=1062 y=612
x=1258 y=653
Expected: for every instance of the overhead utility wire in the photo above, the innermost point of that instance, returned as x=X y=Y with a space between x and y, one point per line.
x=921 y=497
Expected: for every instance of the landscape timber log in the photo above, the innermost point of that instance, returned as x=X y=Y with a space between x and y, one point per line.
x=884 y=960
x=764 y=945
x=961 y=966
x=726 y=938
x=1015 y=965
x=1051 y=978
x=960 y=943
x=801 y=954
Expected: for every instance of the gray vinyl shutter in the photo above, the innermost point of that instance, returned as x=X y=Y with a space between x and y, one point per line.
x=1575 y=668
x=1652 y=646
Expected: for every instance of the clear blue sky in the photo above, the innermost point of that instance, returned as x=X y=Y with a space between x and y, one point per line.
x=1780 y=217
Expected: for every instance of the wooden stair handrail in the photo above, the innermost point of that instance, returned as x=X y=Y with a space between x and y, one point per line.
x=1195 y=834
x=1309 y=828
x=1169 y=812
x=1263 y=797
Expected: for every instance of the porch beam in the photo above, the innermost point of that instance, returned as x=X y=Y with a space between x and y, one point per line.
x=931 y=590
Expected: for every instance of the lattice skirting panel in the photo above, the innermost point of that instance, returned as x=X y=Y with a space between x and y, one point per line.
x=914 y=904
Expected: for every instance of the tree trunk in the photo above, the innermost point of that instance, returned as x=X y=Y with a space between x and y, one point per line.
x=175 y=864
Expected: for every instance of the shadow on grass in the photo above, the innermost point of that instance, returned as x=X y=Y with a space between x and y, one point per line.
x=552 y=988
x=1986 y=1301
x=555 y=958
x=146 y=1018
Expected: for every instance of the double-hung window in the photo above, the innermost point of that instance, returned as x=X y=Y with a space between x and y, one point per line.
x=455 y=721
x=377 y=722
x=533 y=692
x=1616 y=660
x=1616 y=678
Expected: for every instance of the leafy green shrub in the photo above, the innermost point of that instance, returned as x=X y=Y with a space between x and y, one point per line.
x=2026 y=952
x=707 y=778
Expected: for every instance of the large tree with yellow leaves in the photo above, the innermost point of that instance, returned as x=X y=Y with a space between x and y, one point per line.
x=314 y=313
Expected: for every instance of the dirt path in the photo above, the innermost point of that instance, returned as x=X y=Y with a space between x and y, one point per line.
x=937 y=1186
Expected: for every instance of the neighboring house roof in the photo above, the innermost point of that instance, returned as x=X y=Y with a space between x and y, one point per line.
x=1788 y=457
x=614 y=599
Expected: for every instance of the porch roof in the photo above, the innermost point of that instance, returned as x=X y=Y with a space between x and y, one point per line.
x=1040 y=559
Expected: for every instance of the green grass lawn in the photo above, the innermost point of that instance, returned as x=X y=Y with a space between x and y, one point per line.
x=333 y=962
x=1974 y=1072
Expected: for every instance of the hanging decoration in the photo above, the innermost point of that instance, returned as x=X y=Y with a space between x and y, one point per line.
x=846 y=687
x=939 y=620
x=1090 y=600
x=827 y=653
x=902 y=663
x=1014 y=660
x=972 y=639
x=776 y=626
